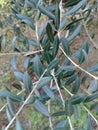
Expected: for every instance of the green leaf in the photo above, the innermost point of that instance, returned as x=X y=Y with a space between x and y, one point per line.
x=19 y=75
x=14 y=62
x=85 y=46
x=93 y=68
x=62 y=125
x=46 y=12
x=57 y=16
x=70 y=80
x=38 y=67
x=48 y=91
x=68 y=108
x=19 y=126
x=59 y=113
x=55 y=46
x=17 y=86
x=27 y=82
x=62 y=24
x=76 y=85
x=53 y=64
x=26 y=62
x=77 y=99
x=47 y=57
x=44 y=81
x=76 y=7
x=94 y=106
x=75 y=33
x=28 y=22
x=13 y=96
x=93 y=86
x=71 y=3
x=41 y=108
x=11 y=106
x=9 y=115
x=91 y=97
x=49 y=32
x=66 y=46
x=14 y=42
x=89 y=124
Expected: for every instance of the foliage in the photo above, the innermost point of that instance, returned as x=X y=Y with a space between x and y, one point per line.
x=53 y=74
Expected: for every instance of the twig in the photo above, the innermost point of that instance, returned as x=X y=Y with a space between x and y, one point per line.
x=22 y=53
x=52 y=73
x=69 y=120
x=76 y=65
x=86 y=30
x=49 y=104
x=7 y=127
x=91 y=114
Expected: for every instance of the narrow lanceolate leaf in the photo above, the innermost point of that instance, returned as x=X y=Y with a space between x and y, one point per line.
x=59 y=113
x=9 y=115
x=17 y=86
x=93 y=68
x=44 y=81
x=41 y=108
x=68 y=108
x=49 y=32
x=62 y=125
x=14 y=42
x=27 y=82
x=26 y=62
x=11 y=106
x=83 y=57
x=66 y=46
x=93 y=86
x=38 y=67
x=89 y=124
x=63 y=24
x=55 y=46
x=19 y=126
x=53 y=64
x=76 y=85
x=77 y=99
x=14 y=62
x=71 y=3
x=57 y=16
x=46 y=12
x=75 y=33
x=29 y=22
x=14 y=97
x=70 y=80
x=76 y=7
x=49 y=92
x=91 y=97
x=19 y=75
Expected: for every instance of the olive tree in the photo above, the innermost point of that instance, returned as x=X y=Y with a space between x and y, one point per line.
x=53 y=73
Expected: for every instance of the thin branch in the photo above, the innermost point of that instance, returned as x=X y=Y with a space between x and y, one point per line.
x=49 y=104
x=22 y=53
x=52 y=73
x=68 y=91
x=69 y=120
x=21 y=108
x=76 y=65
x=90 y=114
x=86 y=30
